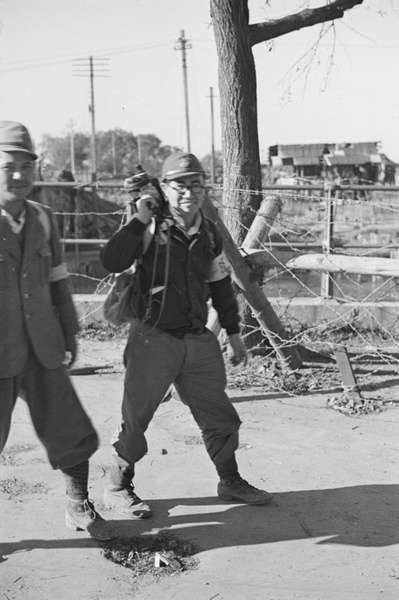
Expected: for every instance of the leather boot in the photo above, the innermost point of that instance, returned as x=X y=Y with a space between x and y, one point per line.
x=120 y=495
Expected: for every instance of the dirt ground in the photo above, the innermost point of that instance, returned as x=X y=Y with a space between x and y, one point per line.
x=332 y=531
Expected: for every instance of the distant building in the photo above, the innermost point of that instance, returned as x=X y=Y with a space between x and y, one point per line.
x=358 y=163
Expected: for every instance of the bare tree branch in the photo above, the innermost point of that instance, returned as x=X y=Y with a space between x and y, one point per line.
x=262 y=32
x=300 y=70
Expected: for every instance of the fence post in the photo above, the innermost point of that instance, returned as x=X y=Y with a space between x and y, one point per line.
x=260 y=227
x=286 y=350
x=77 y=223
x=327 y=279
x=255 y=237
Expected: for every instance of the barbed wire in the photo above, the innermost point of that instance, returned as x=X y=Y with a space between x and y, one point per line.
x=363 y=306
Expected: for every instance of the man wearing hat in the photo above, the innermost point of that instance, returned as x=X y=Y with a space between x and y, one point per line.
x=38 y=324
x=180 y=264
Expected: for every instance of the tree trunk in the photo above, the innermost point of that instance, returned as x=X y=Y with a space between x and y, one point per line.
x=237 y=86
x=234 y=39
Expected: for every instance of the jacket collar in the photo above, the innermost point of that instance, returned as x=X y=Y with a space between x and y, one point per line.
x=33 y=235
x=16 y=226
x=194 y=229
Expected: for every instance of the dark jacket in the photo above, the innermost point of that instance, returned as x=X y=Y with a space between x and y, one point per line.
x=33 y=310
x=175 y=274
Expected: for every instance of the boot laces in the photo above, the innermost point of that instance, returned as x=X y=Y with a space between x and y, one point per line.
x=132 y=495
x=242 y=483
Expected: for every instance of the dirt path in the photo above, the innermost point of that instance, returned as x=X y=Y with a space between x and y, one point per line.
x=332 y=531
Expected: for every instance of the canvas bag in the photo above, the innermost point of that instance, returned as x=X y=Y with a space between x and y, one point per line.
x=117 y=308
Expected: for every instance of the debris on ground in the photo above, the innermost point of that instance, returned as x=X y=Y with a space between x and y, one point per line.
x=160 y=560
x=152 y=555
x=375 y=365
x=264 y=372
x=91 y=370
x=349 y=406
x=9 y=456
x=15 y=487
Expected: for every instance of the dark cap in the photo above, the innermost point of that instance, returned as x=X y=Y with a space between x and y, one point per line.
x=14 y=137
x=181 y=164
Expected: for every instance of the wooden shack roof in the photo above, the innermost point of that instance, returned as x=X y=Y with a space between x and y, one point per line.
x=360 y=153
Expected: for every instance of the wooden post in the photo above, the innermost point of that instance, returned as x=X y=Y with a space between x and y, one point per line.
x=94 y=210
x=255 y=237
x=260 y=227
x=351 y=389
x=340 y=263
x=327 y=281
x=254 y=295
x=77 y=223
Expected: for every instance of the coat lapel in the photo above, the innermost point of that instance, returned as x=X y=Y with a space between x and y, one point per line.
x=10 y=240
x=34 y=234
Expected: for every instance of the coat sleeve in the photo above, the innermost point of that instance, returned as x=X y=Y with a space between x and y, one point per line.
x=222 y=293
x=124 y=247
x=60 y=291
x=224 y=301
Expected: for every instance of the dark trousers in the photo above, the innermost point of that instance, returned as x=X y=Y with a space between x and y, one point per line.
x=194 y=363
x=58 y=417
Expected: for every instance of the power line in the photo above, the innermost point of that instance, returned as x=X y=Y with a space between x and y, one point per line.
x=50 y=62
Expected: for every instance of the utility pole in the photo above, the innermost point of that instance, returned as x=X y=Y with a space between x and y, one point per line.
x=183 y=45
x=212 y=139
x=92 y=67
x=139 y=157
x=72 y=148
x=93 y=125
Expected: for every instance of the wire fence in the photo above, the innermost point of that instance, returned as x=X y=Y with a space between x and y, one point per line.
x=319 y=309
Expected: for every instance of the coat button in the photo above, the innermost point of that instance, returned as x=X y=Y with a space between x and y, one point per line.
x=26 y=296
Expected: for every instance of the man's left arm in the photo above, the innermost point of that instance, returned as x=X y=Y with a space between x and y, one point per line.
x=61 y=294
x=224 y=301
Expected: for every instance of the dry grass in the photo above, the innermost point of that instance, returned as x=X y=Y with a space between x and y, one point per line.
x=139 y=554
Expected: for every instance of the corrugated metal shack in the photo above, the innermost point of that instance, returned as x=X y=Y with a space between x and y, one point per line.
x=357 y=163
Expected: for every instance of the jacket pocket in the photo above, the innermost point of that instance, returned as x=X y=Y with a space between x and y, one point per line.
x=4 y=272
x=43 y=265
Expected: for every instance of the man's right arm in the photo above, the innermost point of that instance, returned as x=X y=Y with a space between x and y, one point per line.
x=123 y=247
x=126 y=245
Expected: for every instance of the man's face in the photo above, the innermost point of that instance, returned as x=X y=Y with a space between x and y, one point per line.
x=17 y=174
x=185 y=195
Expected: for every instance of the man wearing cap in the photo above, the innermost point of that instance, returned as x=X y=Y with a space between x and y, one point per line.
x=180 y=264
x=38 y=324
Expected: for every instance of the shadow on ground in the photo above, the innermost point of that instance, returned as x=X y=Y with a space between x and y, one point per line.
x=366 y=515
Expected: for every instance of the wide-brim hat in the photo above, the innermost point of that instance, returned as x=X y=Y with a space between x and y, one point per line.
x=14 y=137
x=180 y=164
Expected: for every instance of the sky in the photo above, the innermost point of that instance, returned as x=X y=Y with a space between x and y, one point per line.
x=355 y=100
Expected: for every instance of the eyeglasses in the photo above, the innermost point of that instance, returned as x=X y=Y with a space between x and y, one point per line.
x=196 y=188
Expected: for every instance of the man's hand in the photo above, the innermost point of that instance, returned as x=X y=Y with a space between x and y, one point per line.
x=238 y=351
x=71 y=347
x=146 y=206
